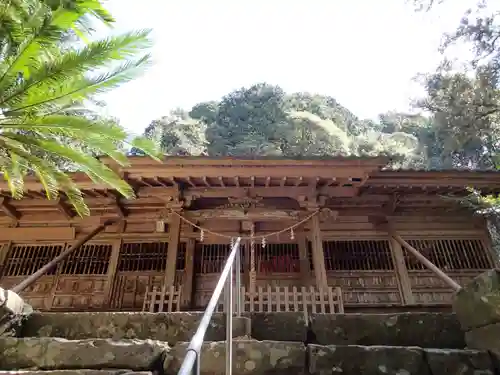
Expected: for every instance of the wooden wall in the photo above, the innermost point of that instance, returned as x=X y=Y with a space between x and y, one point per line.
x=114 y=271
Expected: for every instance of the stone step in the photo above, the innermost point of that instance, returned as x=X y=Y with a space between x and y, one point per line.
x=75 y=372
x=252 y=357
x=51 y=353
x=167 y=327
x=432 y=330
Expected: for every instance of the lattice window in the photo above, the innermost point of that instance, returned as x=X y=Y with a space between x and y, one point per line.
x=89 y=259
x=449 y=254
x=143 y=256
x=23 y=260
x=278 y=258
x=363 y=255
x=210 y=258
x=180 y=264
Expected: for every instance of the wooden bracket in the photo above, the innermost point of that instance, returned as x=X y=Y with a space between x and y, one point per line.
x=8 y=209
x=63 y=208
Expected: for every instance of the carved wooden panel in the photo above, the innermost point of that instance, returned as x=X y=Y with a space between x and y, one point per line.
x=79 y=293
x=364 y=270
x=368 y=287
x=461 y=259
x=141 y=265
x=23 y=260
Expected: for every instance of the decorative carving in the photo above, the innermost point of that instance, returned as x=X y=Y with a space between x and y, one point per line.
x=328 y=214
x=244 y=203
x=243 y=215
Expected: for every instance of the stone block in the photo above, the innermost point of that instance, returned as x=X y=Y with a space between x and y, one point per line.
x=366 y=360
x=406 y=329
x=57 y=354
x=249 y=357
x=242 y=327
x=459 y=362
x=169 y=327
x=477 y=304
x=484 y=338
x=76 y=372
x=279 y=326
x=13 y=313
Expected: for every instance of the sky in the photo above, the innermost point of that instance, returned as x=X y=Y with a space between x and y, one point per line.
x=364 y=53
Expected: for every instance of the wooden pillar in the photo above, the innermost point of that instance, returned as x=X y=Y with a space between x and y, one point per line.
x=112 y=267
x=304 y=259
x=318 y=254
x=4 y=251
x=401 y=273
x=427 y=263
x=173 y=245
x=187 y=288
x=245 y=276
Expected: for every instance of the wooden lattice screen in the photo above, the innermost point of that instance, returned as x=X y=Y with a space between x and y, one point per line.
x=278 y=258
x=210 y=258
x=450 y=254
x=23 y=260
x=359 y=255
x=143 y=256
x=90 y=259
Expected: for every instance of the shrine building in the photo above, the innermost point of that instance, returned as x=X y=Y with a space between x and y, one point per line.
x=317 y=234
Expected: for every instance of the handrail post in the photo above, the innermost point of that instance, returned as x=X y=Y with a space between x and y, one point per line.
x=192 y=361
x=238 y=282
x=229 y=323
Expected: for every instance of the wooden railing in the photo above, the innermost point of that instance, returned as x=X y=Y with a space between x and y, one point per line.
x=291 y=299
x=165 y=299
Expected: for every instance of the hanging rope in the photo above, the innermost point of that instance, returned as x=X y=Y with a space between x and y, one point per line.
x=261 y=237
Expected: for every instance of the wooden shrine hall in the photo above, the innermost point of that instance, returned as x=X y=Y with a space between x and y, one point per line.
x=329 y=235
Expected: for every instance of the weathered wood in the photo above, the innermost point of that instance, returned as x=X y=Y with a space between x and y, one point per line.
x=402 y=273
x=187 y=291
x=37 y=234
x=448 y=280
x=318 y=254
x=173 y=245
x=34 y=277
x=113 y=264
x=305 y=272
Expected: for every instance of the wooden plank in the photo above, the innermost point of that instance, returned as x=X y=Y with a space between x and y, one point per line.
x=113 y=264
x=189 y=274
x=173 y=245
x=37 y=234
x=402 y=273
x=318 y=254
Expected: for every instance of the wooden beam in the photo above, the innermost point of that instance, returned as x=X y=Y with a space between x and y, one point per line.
x=120 y=208
x=401 y=273
x=318 y=254
x=221 y=181
x=187 y=287
x=9 y=210
x=63 y=208
x=305 y=271
x=204 y=179
x=30 y=280
x=426 y=262
x=173 y=246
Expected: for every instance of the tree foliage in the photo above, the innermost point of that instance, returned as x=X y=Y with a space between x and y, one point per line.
x=45 y=89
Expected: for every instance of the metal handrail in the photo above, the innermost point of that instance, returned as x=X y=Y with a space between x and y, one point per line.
x=191 y=363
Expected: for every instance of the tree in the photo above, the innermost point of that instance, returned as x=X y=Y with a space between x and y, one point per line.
x=263 y=120
x=44 y=90
x=178 y=134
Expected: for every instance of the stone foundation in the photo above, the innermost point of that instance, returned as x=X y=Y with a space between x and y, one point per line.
x=477 y=307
